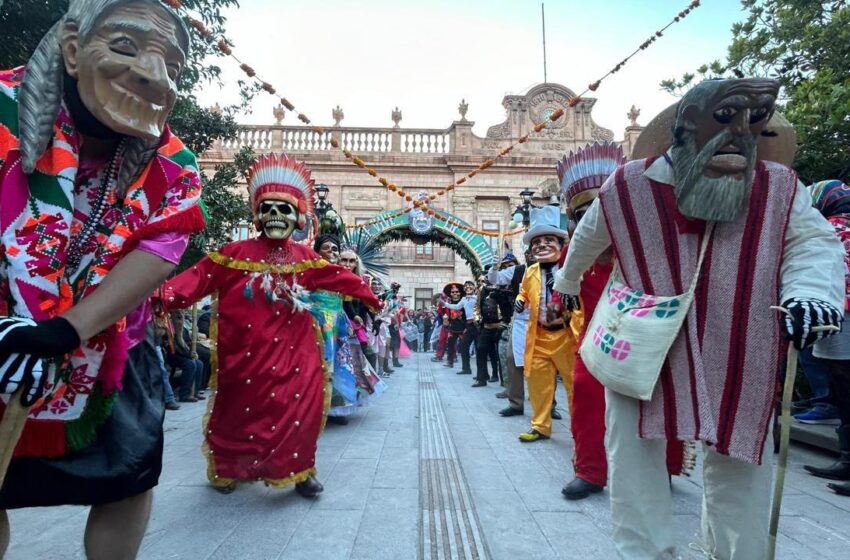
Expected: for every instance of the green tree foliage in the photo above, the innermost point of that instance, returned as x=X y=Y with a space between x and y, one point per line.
x=25 y=22
x=231 y=207
x=805 y=44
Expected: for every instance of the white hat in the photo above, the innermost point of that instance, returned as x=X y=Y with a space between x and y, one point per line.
x=544 y=221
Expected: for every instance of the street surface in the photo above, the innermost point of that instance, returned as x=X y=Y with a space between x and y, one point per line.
x=428 y=471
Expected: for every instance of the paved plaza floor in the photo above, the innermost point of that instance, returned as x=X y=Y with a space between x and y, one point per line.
x=429 y=471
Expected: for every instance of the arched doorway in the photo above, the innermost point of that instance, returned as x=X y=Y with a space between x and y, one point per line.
x=441 y=229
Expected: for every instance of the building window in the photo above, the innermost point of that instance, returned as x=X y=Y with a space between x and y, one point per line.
x=425 y=251
x=423 y=298
x=243 y=231
x=495 y=226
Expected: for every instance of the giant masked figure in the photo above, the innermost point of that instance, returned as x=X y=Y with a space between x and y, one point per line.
x=271 y=374
x=719 y=380
x=97 y=199
x=581 y=174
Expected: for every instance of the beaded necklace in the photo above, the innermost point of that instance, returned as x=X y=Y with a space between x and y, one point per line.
x=78 y=245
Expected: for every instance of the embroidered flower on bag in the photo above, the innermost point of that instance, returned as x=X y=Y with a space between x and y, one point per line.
x=621 y=350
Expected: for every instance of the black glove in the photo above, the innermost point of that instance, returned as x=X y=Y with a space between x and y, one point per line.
x=23 y=343
x=519 y=306
x=806 y=313
x=49 y=339
x=20 y=370
x=571 y=303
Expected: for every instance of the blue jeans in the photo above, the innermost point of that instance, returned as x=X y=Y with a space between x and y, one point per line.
x=817 y=374
x=166 y=384
x=189 y=368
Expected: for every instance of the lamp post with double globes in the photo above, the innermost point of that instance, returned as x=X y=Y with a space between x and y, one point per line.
x=329 y=220
x=522 y=213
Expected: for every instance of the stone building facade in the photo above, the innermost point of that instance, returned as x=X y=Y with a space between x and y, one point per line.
x=425 y=160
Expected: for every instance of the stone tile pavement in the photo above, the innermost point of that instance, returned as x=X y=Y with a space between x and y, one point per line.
x=476 y=493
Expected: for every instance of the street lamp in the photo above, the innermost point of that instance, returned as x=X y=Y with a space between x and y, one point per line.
x=329 y=220
x=322 y=204
x=522 y=213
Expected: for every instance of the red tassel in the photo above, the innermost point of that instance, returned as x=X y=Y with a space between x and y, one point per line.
x=41 y=438
x=187 y=221
x=114 y=361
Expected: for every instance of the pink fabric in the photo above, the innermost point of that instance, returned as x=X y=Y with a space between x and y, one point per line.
x=169 y=247
x=404 y=350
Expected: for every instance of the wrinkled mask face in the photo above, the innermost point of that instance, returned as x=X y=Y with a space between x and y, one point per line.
x=545 y=248
x=377 y=287
x=127 y=68
x=454 y=294
x=349 y=260
x=714 y=154
x=329 y=251
x=277 y=218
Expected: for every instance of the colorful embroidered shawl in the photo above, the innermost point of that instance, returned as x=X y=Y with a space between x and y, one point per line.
x=39 y=214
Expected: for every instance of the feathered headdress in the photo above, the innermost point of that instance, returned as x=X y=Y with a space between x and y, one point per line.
x=368 y=251
x=588 y=168
x=280 y=177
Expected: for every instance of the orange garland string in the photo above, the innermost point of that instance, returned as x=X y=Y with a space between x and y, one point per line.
x=593 y=86
x=224 y=46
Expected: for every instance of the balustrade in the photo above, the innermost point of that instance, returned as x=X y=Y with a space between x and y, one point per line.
x=359 y=140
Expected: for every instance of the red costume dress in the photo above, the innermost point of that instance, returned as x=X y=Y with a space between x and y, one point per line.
x=272 y=386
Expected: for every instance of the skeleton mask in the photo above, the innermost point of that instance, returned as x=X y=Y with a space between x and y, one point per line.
x=277 y=218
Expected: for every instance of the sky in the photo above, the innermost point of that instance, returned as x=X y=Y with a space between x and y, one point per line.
x=424 y=56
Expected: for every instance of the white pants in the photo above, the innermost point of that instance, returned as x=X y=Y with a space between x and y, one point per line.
x=736 y=495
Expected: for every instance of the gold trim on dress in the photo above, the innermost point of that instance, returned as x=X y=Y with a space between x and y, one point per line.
x=252 y=266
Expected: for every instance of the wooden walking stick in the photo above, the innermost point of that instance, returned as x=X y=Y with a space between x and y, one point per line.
x=11 y=427
x=784 y=437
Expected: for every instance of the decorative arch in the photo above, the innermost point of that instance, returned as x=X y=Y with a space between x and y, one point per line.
x=473 y=248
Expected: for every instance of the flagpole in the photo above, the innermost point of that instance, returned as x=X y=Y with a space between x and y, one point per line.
x=543 y=17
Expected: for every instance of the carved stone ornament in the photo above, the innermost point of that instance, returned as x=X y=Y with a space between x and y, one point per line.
x=633 y=115
x=279 y=112
x=337 y=115
x=396 y=116
x=462 y=109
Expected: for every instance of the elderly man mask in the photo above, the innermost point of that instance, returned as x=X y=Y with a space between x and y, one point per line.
x=126 y=66
x=714 y=152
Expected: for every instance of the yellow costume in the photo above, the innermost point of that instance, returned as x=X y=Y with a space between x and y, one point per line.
x=548 y=350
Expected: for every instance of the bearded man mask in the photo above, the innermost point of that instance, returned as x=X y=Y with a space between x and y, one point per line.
x=718 y=124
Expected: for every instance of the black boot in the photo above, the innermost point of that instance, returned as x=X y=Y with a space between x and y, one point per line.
x=579 y=489
x=309 y=488
x=387 y=369
x=843 y=489
x=839 y=470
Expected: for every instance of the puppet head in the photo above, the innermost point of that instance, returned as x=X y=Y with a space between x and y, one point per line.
x=281 y=191
x=582 y=173
x=545 y=236
x=116 y=64
x=718 y=124
x=327 y=245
